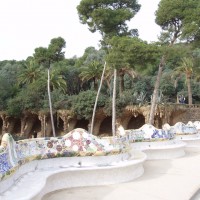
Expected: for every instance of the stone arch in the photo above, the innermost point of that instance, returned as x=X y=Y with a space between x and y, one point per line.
x=82 y=123
x=17 y=126
x=36 y=128
x=106 y=127
x=59 y=126
x=100 y=115
x=136 y=122
x=177 y=116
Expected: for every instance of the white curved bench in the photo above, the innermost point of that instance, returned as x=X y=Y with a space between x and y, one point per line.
x=192 y=142
x=37 y=178
x=161 y=149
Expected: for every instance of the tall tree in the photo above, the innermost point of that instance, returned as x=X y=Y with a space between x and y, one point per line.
x=30 y=73
x=186 y=68
x=127 y=53
x=8 y=81
x=173 y=18
x=92 y=71
x=108 y=17
x=98 y=93
x=46 y=57
x=67 y=70
x=55 y=49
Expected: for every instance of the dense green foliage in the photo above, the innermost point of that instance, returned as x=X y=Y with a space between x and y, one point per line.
x=179 y=19
x=18 y=94
x=108 y=17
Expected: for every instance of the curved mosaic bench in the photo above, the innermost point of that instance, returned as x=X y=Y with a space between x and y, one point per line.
x=77 y=151
x=188 y=133
x=182 y=130
x=34 y=185
x=155 y=143
x=197 y=125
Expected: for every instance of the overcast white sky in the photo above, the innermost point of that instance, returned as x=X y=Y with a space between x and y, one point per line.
x=28 y=24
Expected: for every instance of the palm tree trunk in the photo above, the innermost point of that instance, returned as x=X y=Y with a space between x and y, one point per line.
x=97 y=97
x=109 y=86
x=95 y=84
x=114 y=104
x=50 y=104
x=121 y=84
x=44 y=125
x=155 y=92
x=189 y=90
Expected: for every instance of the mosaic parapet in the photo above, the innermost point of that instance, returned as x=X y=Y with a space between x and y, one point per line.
x=148 y=133
x=188 y=133
x=197 y=125
x=77 y=143
x=155 y=143
x=183 y=130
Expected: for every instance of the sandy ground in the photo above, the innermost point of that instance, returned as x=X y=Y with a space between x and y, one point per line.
x=177 y=179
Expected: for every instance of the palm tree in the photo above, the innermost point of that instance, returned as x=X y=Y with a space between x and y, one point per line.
x=29 y=74
x=92 y=71
x=50 y=103
x=121 y=73
x=114 y=103
x=54 y=81
x=186 y=68
x=57 y=81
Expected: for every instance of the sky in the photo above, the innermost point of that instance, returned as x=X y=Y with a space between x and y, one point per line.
x=28 y=24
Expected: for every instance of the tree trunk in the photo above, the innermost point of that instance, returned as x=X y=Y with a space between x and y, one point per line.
x=50 y=105
x=114 y=104
x=157 y=84
x=97 y=97
x=155 y=92
x=189 y=90
x=95 y=84
x=121 y=84
x=108 y=83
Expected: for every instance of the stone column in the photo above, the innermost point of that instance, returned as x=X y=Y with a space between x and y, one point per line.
x=42 y=117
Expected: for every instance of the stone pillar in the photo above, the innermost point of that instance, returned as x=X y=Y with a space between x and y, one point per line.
x=42 y=118
x=97 y=125
x=5 y=125
x=8 y=124
x=23 y=124
x=65 y=124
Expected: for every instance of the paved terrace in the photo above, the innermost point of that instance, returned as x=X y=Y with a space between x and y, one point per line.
x=175 y=179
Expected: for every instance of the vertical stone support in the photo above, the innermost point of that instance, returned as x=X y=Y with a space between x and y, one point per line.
x=69 y=121
x=8 y=124
x=42 y=117
x=4 y=126
x=146 y=116
x=23 y=124
x=97 y=125
x=48 y=127
x=65 y=123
